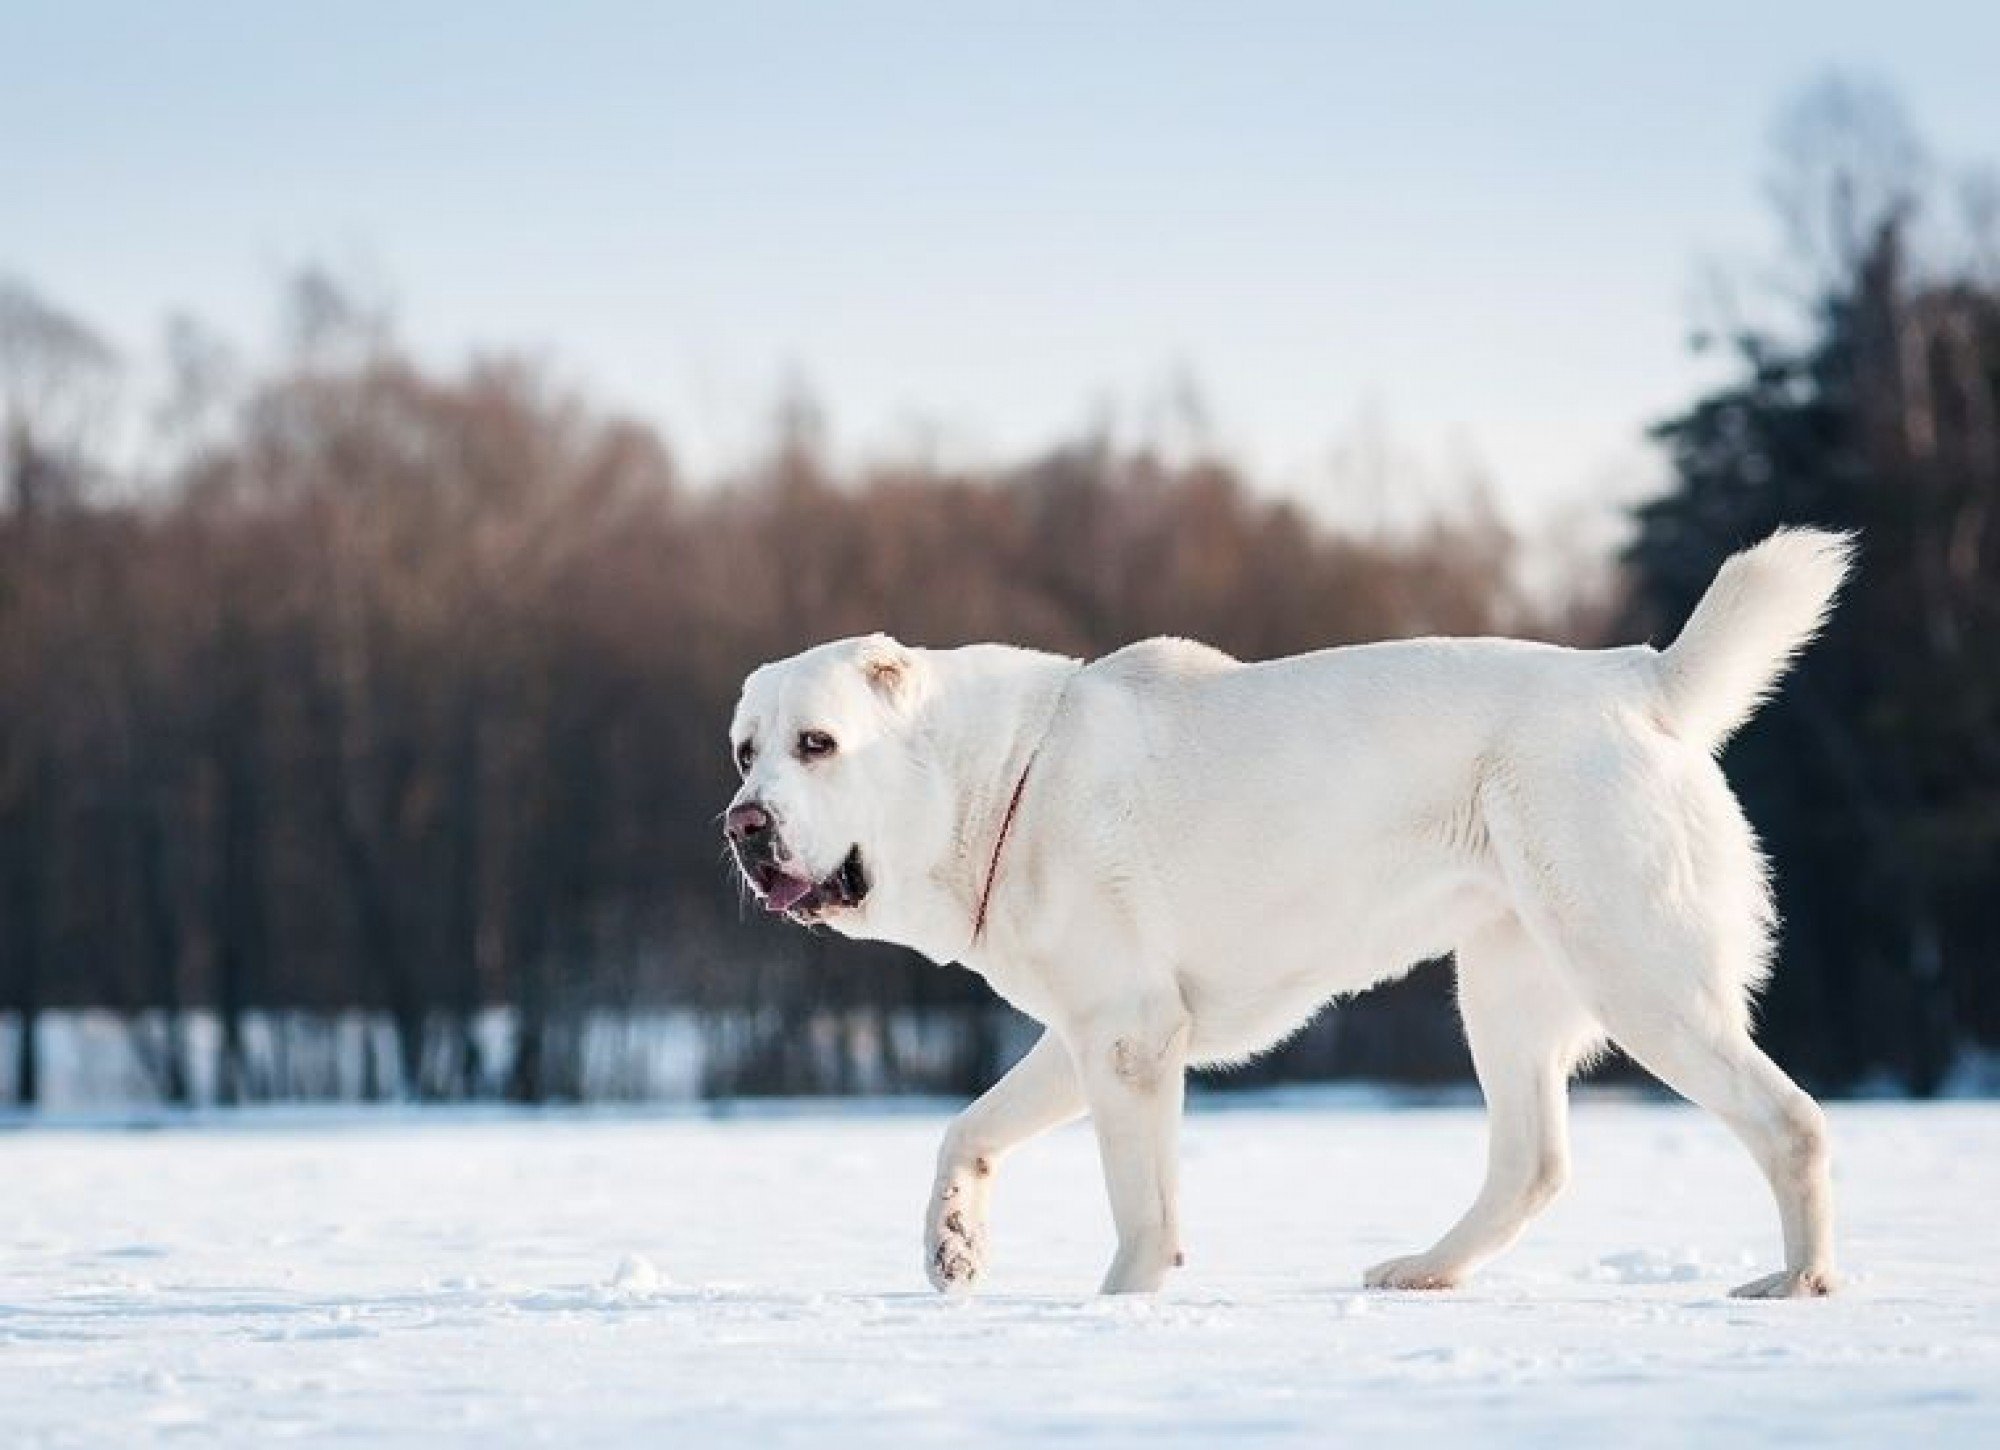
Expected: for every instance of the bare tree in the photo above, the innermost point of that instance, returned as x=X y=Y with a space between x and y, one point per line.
x=1846 y=164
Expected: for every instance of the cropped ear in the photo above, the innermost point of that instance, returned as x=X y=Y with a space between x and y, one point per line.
x=891 y=668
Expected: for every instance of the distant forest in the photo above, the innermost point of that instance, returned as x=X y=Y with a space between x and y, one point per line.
x=375 y=686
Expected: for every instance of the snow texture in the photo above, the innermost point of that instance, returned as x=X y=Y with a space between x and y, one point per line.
x=756 y=1280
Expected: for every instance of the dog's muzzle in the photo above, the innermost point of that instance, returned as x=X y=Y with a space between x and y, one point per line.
x=765 y=863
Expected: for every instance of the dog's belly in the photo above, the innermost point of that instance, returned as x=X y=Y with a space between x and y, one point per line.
x=1251 y=980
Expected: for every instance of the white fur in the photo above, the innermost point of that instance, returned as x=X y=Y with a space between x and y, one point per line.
x=1207 y=851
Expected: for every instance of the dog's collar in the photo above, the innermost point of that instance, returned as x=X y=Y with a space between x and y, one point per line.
x=999 y=845
x=1013 y=810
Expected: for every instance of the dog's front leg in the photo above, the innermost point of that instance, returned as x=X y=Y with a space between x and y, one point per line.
x=1038 y=1093
x=1134 y=1068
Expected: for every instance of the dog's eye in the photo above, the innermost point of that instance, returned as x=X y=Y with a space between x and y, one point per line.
x=745 y=754
x=815 y=745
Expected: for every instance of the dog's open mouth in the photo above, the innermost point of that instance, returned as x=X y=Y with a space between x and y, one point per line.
x=786 y=893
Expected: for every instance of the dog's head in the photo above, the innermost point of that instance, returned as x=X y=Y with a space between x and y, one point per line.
x=838 y=806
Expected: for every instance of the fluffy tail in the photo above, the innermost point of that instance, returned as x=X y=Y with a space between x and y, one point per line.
x=1765 y=605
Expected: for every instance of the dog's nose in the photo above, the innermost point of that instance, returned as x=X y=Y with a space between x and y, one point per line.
x=746 y=823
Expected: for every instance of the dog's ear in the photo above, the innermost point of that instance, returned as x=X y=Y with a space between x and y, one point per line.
x=891 y=668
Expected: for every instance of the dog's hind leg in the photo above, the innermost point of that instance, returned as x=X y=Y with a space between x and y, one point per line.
x=1526 y=1030
x=1724 y=1071
x=1656 y=917
x=1038 y=1093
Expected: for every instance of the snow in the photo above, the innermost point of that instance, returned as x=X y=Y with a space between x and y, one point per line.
x=755 y=1280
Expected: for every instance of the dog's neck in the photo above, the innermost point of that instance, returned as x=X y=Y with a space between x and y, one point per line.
x=997 y=705
x=996 y=860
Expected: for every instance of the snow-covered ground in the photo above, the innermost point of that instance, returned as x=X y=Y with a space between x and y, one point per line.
x=756 y=1281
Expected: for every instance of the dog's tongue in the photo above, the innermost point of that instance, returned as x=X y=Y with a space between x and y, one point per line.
x=786 y=892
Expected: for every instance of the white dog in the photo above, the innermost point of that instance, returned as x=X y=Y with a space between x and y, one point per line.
x=1171 y=858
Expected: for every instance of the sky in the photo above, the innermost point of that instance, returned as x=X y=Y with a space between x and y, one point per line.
x=1466 y=238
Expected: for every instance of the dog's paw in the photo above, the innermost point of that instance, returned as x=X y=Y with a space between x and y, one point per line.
x=1789 y=1284
x=1413 y=1271
x=954 y=1246
x=1142 y=1264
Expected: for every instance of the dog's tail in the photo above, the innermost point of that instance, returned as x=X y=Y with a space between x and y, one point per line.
x=1765 y=605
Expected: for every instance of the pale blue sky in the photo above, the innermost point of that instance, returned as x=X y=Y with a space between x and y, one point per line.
x=1480 y=223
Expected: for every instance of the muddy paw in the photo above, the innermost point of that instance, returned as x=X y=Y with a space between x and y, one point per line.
x=1414 y=1271
x=956 y=1254
x=1789 y=1284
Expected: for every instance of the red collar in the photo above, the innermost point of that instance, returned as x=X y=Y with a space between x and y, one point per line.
x=999 y=845
x=1014 y=808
